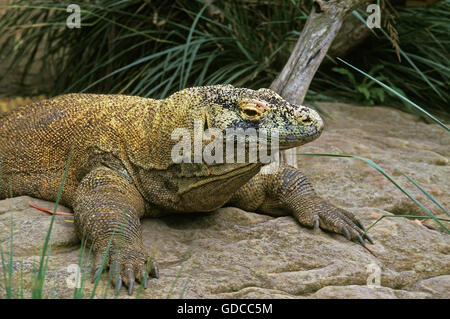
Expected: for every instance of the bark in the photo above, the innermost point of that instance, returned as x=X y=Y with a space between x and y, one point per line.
x=322 y=31
x=352 y=33
x=321 y=28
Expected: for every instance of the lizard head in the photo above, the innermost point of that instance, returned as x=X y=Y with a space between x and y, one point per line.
x=250 y=119
x=201 y=163
x=226 y=107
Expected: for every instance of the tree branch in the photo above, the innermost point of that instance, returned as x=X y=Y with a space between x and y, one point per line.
x=321 y=28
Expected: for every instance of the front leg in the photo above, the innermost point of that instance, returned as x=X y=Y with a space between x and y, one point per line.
x=288 y=192
x=107 y=209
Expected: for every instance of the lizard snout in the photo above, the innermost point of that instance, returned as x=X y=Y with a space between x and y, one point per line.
x=309 y=118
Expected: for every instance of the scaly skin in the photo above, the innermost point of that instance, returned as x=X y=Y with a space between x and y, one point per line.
x=121 y=168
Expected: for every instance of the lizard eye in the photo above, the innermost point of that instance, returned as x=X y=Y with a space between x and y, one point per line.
x=252 y=109
x=250 y=113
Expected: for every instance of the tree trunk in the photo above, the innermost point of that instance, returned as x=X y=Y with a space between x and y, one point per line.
x=352 y=33
x=321 y=28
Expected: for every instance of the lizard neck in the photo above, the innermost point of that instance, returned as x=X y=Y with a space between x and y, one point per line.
x=148 y=140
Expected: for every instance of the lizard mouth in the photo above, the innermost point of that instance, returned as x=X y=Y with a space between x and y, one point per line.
x=294 y=140
x=285 y=141
x=309 y=131
x=310 y=126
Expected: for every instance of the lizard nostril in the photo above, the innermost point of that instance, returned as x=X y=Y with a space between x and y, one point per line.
x=304 y=120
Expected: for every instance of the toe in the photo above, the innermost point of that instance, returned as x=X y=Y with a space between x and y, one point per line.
x=346 y=232
x=342 y=222
x=154 y=272
x=97 y=274
x=118 y=285
x=128 y=277
x=366 y=236
x=352 y=218
x=99 y=265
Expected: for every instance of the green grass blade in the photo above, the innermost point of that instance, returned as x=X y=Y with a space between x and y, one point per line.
x=425 y=192
x=424 y=77
x=21 y=280
x=85 y=272
x=102 y=266
x=38 y=286
x=188 y=43
x=379 y=169
x=4 y=269
x=183 y=291
x=186 y=257
x=398 y=94
x=400 y=216
x=10 y=266
x=146 y=273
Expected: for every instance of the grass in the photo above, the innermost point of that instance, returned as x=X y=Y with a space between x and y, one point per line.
x=394 y=182
x=180 y=271
x=84 y=267
x=39 y=278
x=190 y=45
x=40 y=273
x=422 y=73
x=83 y=270
x=152 y=49
x=419 y=109
x=120 y=50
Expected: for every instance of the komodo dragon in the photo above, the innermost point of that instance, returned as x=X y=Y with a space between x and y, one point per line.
x=121 y=167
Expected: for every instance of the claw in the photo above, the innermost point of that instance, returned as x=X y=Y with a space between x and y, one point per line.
x=130 y=288
x=361 y=240
x=154 y=271
x=316 y=223
x=368 y=238
x=144 y=279
x=360 y=225
x=131 y=282
x=118 y=285
x=96 y=274
x=347 y=233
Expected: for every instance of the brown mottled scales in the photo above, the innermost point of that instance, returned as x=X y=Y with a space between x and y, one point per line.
x=121 y=168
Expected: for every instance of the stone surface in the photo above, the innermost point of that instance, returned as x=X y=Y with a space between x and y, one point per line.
x=231 y=253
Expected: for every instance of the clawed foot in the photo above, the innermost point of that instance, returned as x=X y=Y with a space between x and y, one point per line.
x=336 y=220
x=126 y=265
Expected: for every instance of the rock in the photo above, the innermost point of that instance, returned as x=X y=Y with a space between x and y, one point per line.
x=438 y=287
x=366 y=292
x=231 y=253
x=30 y=226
